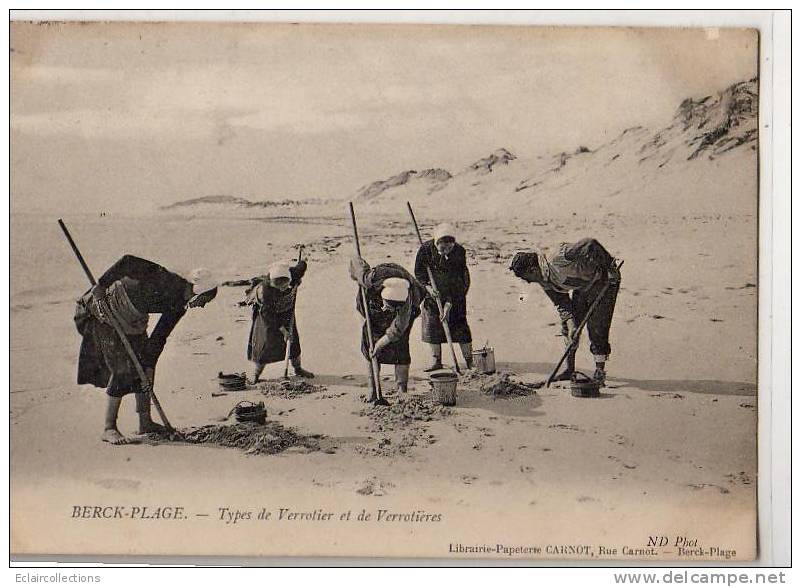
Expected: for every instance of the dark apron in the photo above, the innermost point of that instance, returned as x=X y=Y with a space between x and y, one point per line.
x=266 y=344
x=395 y=353
x=434 y=333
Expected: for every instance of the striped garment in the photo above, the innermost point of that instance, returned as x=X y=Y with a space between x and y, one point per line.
x=129 y=318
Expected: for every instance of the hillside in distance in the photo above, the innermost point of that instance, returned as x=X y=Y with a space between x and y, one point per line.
x=704 y=160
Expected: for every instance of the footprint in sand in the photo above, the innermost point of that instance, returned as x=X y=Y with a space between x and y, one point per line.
x=620 y=439
x=585 y=499
x=668 y=395
x=699 y=486
x=468 y=479
x=741 y=477
x=571 y=427
x=526 y=469
x=374 y=486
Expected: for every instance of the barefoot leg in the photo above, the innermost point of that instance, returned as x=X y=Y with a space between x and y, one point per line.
x=113 y=436
x=402 y=378
x=112 y=409
x=146 y=423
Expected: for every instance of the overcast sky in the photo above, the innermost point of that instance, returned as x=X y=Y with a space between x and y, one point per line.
x=109 y=115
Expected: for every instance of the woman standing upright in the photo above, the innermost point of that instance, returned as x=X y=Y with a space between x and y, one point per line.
x=447 y=261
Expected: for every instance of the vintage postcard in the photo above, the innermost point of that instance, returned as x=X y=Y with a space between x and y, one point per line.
x=454 y=292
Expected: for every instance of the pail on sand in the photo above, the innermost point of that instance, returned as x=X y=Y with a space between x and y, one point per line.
x=484 y=360
x=581 y=385
x=443 y=387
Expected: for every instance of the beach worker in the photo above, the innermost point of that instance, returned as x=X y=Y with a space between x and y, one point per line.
x=447 y=261
x=393 y=299
x=572 y=278
x=273 y=300
x=133 y=288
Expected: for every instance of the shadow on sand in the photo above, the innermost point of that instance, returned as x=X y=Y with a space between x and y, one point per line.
x=709 y=386
x=515 y=406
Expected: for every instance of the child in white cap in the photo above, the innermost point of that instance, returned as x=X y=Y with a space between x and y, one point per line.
x=273 y=300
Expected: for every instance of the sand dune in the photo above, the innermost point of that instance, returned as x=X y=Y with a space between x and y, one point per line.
x=670 y=447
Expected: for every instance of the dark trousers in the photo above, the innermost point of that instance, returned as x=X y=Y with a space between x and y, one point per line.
x=600 y=321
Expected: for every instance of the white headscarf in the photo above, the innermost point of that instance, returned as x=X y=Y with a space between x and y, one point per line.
x=395 y=289
x=279 y=269
x=202 y=280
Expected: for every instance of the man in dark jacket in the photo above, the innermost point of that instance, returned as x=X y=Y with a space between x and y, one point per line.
x=581 y=268
x=393 y=299
x=273 y=299
x=447 y=261
x=131 y=290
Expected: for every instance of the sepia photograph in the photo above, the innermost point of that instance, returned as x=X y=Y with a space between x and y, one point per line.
x=459 y=292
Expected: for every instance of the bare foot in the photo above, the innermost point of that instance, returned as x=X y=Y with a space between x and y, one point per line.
x=113 y=436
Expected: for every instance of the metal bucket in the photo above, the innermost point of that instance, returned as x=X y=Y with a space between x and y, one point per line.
x=443 y=387
x=484 y=360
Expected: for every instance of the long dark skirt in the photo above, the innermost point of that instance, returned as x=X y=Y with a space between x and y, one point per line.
x=434 y=333
x=266 y=344
x=104 y=362
x=396 y=353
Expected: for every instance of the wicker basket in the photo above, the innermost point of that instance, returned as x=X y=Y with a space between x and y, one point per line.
x=232 y=381
x=581 y=385
x=443 y=387
x=246 y=411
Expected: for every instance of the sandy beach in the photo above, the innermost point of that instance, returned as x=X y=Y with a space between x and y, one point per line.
x=668 y=449
x=661 y=466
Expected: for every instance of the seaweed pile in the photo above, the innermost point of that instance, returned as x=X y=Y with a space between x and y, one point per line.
x=289 y=388
x=407 y=410
x=401 y=426
x=252 y=438
x=498 y=384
